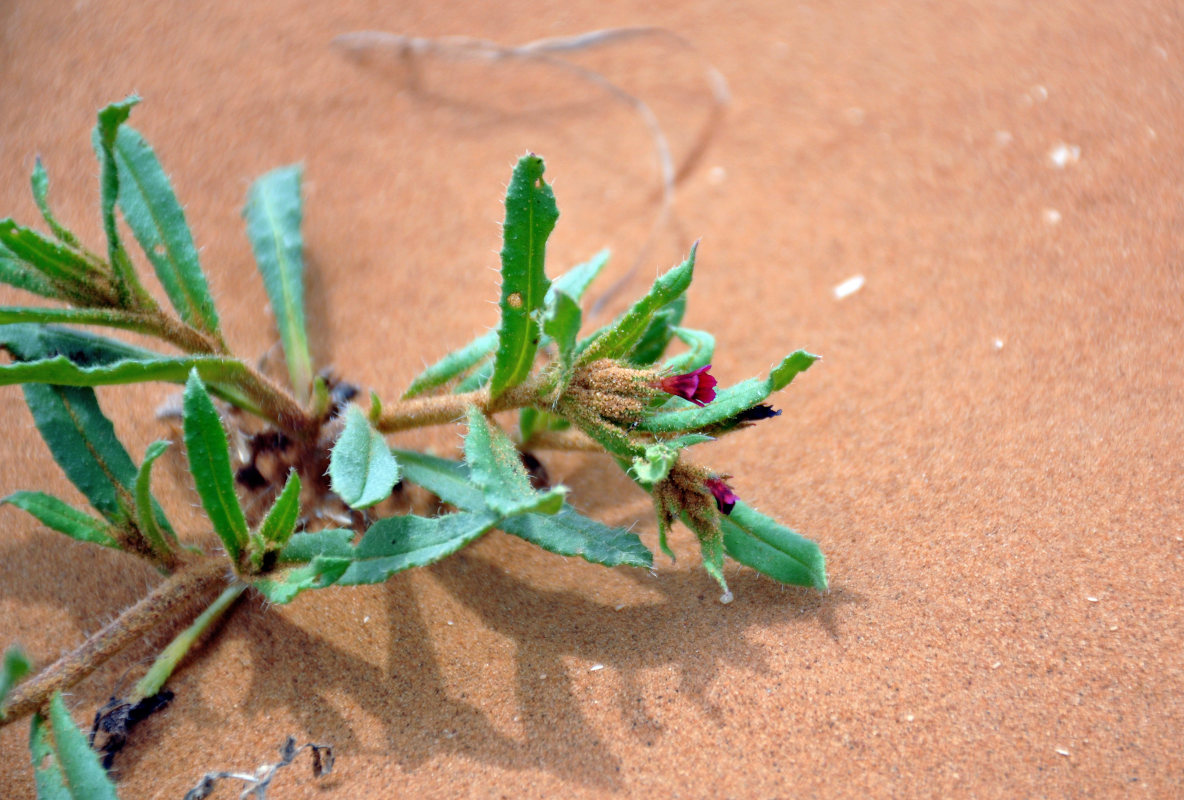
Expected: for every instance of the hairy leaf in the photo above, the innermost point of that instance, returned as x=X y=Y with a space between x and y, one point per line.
x=149 y=515
x=110 y=317
x=47 y=773
x=283 y=585
x=85 y=776
x=58 y=262
x=330 y=543
x=622 y=336
x=700 y=349
x=730 y=401
x=362 y=470
x=209 y=461
x=562 y=325
x=63 y=517
x=273 y=215
x=83 y=443
x=567 y=533
x=110 y=118
x=657 y=336
x=496 y=466
x=40 y=182
x=477 y=378
x=30 y=342
x=156 y=219
x=576 y=280
x=767 y=546
x=279 y=524
x=452 y=365
x=530 y=216
x=16 y=273
x=16 y=666
x=394 y=544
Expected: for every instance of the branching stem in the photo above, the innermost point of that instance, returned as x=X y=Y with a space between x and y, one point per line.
x=175 y=598
x=441 y=409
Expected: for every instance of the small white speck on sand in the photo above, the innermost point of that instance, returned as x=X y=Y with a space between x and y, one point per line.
x=1092 y=599
x=1062 y=752
x=1051 y=216
x=997 y=665
x=1063 y=155
x=849 y=287
x=998 y=343
x=727 y=597
x=366 y=619
x=596 y=667
x=717 y=175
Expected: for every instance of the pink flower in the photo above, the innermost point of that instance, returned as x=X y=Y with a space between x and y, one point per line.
x=725 y=498
x=697 y=386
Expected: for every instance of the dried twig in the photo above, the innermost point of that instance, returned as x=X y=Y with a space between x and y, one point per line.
x=258 y=781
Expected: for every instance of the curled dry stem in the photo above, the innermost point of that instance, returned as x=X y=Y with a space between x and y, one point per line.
x=177 y=598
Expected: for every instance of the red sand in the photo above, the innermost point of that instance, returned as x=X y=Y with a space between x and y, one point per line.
x=991 y=453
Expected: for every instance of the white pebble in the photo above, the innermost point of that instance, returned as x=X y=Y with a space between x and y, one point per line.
x=1092 y=599
x=1064 y=154
x=1062 y=752
x=849 y=287
x=365 y=619
x=596 y=667
x=998 y=344
x=727 y=597
x=1052 y=216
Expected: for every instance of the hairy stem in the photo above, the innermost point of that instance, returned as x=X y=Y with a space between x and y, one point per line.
x=175 y=598
x=421 y=412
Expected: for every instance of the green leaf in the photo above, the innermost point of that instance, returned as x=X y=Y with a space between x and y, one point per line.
x=83 y=443
x=16 y=273
x=700 y=349
x=767 y=546
x=16 y=666
x=567 y=533
x=530 y=216
x=47 y=773
x=576 y=280
x=496 y=466
x=62 y=517
x=58 y=262
x=563 y=325
x=156 y=219
x=712 y=549
x=330 y=543
x=477 y=378
x=532 y=420
x=362 y=470
x=283 y=585
x=34 y=342
x=657 y=336
x=273 y=215
x=40 y=182
x=730 y=401
x=64 y=372
x=279 y=524
x=149 y=515
x=394 y=544
x=86 y=777
x=209 y=461
x=110 y=118
x=452 y=365
x=622 y=336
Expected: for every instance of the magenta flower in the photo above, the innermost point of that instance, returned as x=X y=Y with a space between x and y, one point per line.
x=697 y=386
x=725 y=498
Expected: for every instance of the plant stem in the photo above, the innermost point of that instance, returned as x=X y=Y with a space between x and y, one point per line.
x=441 y=409
x=175 y=598
x=162 y=668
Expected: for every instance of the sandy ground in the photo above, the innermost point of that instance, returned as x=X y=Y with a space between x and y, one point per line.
x=991 y=453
